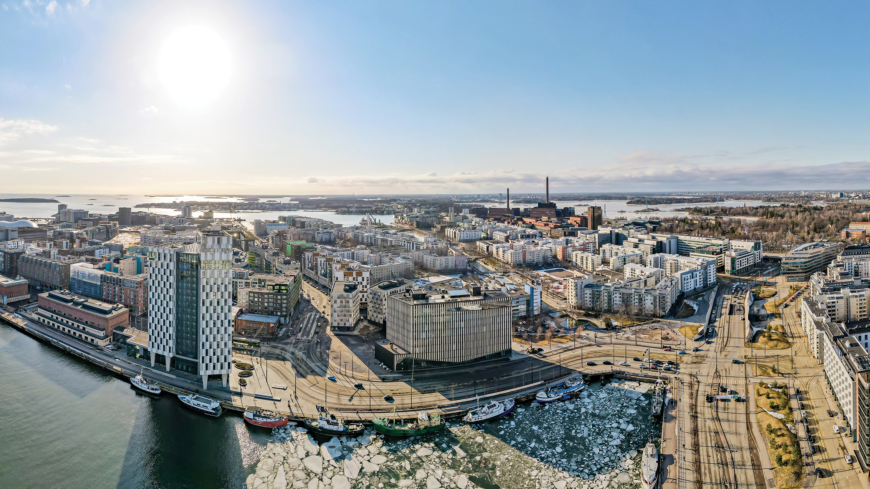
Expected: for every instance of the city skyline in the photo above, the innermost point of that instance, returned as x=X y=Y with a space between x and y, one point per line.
x=311 y=99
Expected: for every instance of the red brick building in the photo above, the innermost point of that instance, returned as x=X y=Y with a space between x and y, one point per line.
x=248 y=324
x=130 y=290
x=13 y=290
x=89 y=320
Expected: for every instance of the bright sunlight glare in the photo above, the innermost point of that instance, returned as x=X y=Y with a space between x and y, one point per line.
x=194 y=66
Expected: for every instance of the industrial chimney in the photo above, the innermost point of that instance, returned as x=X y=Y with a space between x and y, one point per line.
x=548 y=190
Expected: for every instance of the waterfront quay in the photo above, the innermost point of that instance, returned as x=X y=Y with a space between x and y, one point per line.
x=307 y=385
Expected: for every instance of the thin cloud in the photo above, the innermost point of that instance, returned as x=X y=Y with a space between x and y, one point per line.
x=12 y=129
x=149 y=110
x=51 y=7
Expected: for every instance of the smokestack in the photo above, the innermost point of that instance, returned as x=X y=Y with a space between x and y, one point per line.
x=548 y=190
x=508 y=198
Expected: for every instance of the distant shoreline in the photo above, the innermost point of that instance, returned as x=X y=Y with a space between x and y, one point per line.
x=31 y=200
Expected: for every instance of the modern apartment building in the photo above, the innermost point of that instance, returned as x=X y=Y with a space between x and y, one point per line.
x=89 y=320
x=271 y=295
x=190 y=306
x=630 y=298
x=801 y=262
x=588 y=262
x=533 y=293
x=85 y=279
x=344 y=307
x=129 y=290
x=378 y=296
x=447 y=326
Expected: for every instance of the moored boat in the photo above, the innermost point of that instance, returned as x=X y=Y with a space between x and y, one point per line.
x=423 y=425
x=493 y=410
x=265 y=418
x=649 y=466
x=201 y=404
x=561 y=391
x=331 y=426
x=142 y=384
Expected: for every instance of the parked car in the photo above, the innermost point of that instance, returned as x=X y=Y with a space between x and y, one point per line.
x=636 y=359
x=671 y=362
x=358 y=385
x=667 y=348
x=819 y=472
x=388 y=398
x=682 y=352
x=723 y=389
x=696 y=349
x=708 y=398
x=643 y=366
x=332 y=378
x=668 y=368
x=591 y=364
x=734 y=360
x=624 y=364
x=607 y=362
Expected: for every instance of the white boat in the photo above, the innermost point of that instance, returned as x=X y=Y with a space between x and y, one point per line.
x=561 y=391
x=649 y=467
x=201 y=404
x=142 y=384
x=493 y=410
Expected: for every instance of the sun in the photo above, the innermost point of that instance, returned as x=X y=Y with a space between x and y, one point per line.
x=194 y=66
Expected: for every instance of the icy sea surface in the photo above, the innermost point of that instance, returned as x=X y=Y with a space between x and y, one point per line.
x=593 y=441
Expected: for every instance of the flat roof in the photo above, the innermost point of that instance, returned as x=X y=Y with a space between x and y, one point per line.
x=84 y=304
x=258 y=318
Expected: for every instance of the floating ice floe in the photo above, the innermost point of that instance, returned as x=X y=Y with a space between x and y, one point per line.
x=590 y=442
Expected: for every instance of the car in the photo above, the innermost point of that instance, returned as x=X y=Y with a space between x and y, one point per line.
x=849 y=459
x=643 y=366
x=358 y=385
x=740 y=399
x=736 y=361
x=658 y=362
x=607 y=362
x=591 y=364
x=654 y=366
x=800 y=398
x=682 y=352
x=667 y=348
x=722 y=388
x=671 y=362
x=624 y=364
x=819 y=472
x=636 y=359
x=836 y=429
x=332 y=378
x=696 y=349
x=797 y=390
x=388 y=398
x=801 y=406
x=708 y=398
x=668 y=368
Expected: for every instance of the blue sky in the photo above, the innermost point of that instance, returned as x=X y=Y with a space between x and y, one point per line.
x=439 y=97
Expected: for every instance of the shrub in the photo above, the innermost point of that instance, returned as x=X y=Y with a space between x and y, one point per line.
x=779 y=459
x=769 y=428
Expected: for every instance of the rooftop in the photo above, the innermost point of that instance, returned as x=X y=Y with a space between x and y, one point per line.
x=91 y=306
x=258 y=318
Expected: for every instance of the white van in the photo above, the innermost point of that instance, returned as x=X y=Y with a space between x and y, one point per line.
x=836 y=429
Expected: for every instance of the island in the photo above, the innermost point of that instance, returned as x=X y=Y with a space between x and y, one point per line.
x=31 y=200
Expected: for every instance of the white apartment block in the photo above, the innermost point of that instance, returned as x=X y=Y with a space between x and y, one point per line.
x=190 y=306
x=380 y=294
x=435 y=262
x=618 y=262
x=574 y=290
x=344 y=306
x=463 y=234
x=636 y=270
x=586 y=261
